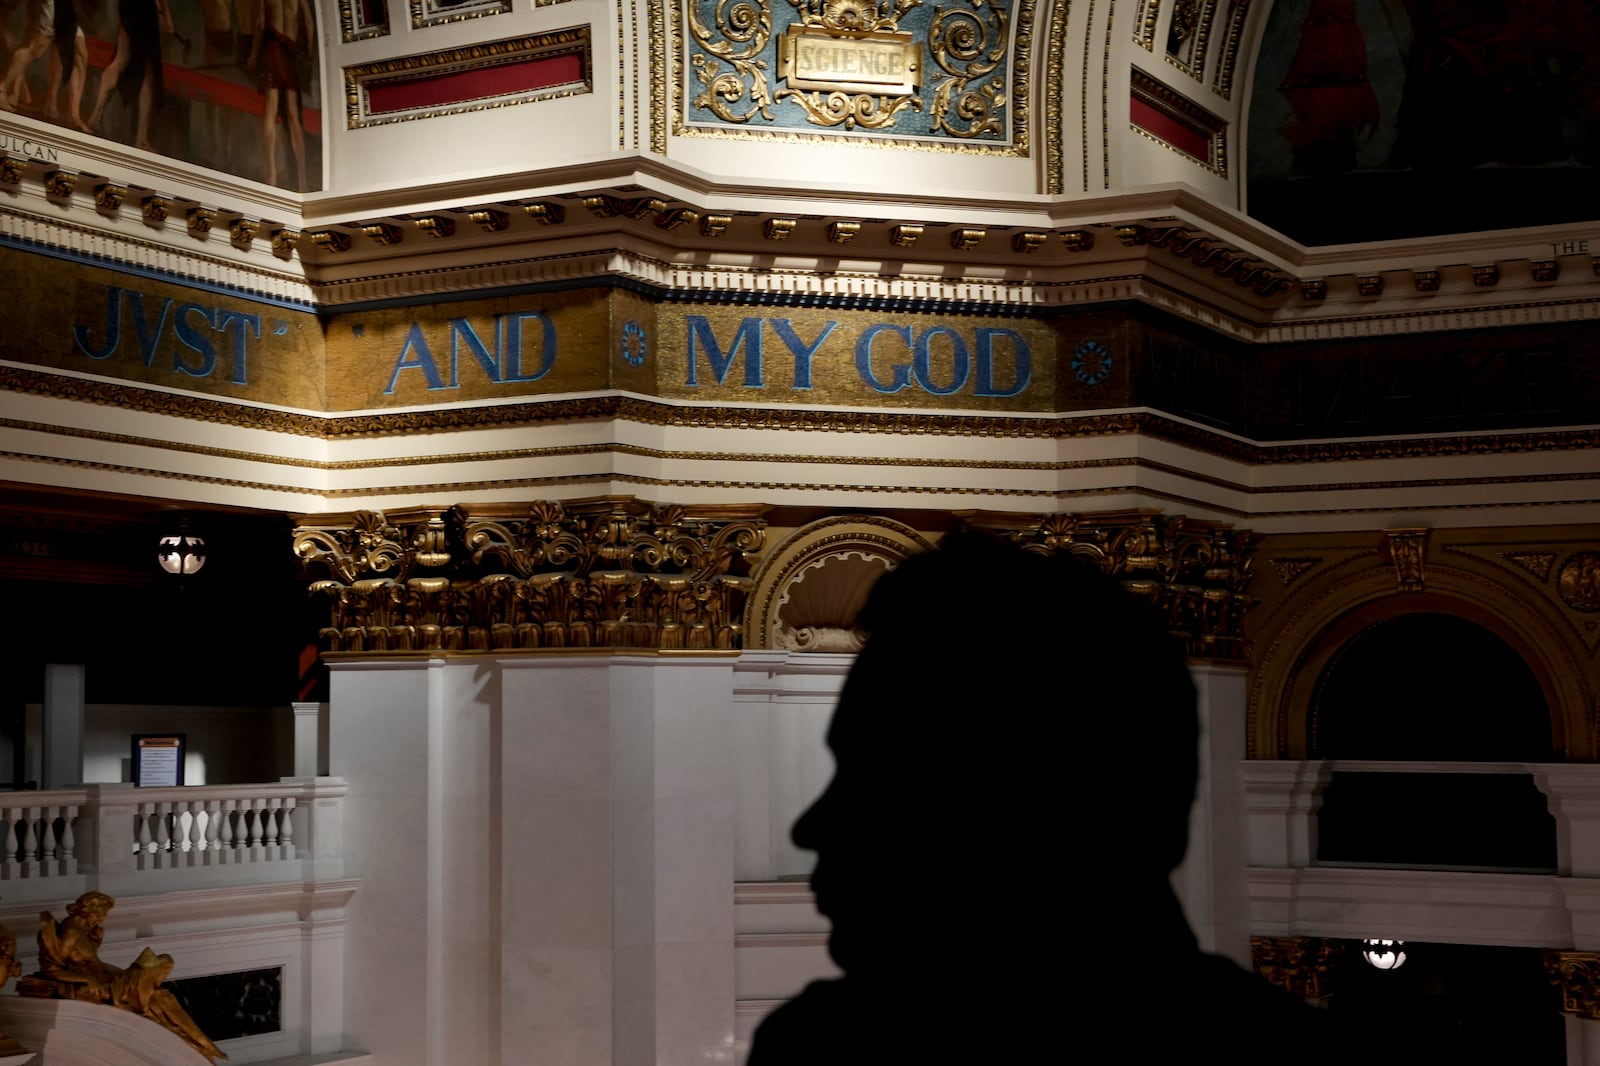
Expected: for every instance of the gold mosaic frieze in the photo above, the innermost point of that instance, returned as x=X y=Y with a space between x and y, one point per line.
x=96 y=324
x=610 y=572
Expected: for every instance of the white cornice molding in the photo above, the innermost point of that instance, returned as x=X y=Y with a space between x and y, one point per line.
x=1161 y=246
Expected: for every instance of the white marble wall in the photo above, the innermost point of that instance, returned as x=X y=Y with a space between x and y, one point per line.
x=550 y=844
x=551 y=849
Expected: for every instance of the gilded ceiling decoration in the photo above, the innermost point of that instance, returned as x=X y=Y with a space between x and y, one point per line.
x=953 y=77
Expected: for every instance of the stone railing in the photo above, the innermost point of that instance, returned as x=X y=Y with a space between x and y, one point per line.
x=1283 y=798
x=124 y=840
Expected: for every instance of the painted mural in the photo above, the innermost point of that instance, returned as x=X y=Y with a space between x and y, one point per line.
x=227 y=84
x=1391 y=118
x=907 y=70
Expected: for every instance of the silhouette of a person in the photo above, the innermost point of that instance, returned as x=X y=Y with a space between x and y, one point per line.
x=1015 y=758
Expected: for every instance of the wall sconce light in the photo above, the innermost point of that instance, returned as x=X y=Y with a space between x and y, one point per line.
x=1384 y=954
x=181 y=554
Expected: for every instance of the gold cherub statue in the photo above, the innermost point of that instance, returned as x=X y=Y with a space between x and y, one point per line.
x=70 y=968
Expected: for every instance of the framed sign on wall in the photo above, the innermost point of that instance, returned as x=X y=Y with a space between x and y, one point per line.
x=158 y=759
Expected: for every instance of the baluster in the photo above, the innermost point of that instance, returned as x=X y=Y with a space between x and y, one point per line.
x=163 y=835
x=214 y=821
x=183 y=831
x=270 y=828
x=69 y=841
x=286 y=828
x=30 y=841
x=255 y=829
x=11 y=843
x=49 y=846
x=144 y=841
x=225 y=832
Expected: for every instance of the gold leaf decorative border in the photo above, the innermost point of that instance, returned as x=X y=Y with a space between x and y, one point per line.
x=1054 y=86
x=1173 y=104
x=1020 y=94
x=424 y=13
x=1144 y=24
x=650 y=412
x=1083 y=89
x=1223 y=85
x=1105 y=97
x=1194 y=64
x=349 y=31
x=658 y=72
x=359 y=79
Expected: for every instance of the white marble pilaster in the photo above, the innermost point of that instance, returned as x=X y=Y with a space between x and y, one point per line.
x=1281 y=799
x=674 y=802
x=1211 y=882
x=381 y=729
x=1572 y=792
x=1583 y=1041
x=63 y=725
x=310 y=735
x=554 y=875
x=783 y=702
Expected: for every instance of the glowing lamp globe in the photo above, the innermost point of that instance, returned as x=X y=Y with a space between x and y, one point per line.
x=181 y=554
x=1384 y=954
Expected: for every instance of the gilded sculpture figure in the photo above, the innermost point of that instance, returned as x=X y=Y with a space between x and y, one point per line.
x=70 y=967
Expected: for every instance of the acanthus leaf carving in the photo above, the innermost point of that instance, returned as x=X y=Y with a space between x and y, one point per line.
x=609 y=572
x=1193 y=571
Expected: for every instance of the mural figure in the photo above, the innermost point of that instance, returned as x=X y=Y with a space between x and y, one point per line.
x=37 y=32
x=136 y=68
x=1327 y=88
x=209 y=82
x=1377 y=119
x=69 y=61
x=273 y=55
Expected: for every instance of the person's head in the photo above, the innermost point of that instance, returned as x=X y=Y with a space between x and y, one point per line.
x=1014 y=720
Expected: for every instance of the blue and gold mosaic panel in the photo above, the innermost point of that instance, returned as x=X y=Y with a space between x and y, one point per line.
x=902 y=71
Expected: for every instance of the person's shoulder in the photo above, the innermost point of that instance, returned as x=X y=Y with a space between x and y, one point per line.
x=1254 y=1017
x=803 y=1029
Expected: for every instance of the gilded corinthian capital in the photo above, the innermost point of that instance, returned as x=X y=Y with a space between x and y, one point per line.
x=604 y=572
x=1192 y=570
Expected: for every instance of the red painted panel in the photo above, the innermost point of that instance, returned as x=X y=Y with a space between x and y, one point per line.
x=1159 y=124
x=461 y=86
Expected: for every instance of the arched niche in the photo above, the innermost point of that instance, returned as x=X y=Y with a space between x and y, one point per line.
x=809 y=590
x=1428 y=686
x=1325 y=616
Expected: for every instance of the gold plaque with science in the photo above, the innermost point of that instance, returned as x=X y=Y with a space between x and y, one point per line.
x=881 y=62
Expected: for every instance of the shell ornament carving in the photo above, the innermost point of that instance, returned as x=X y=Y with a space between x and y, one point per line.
x=818 y=610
